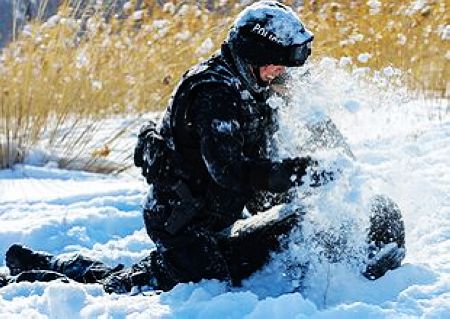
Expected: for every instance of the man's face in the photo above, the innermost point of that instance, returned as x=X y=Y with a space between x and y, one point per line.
x=270 y=72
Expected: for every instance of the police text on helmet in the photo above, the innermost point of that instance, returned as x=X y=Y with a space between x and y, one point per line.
x=263 y=32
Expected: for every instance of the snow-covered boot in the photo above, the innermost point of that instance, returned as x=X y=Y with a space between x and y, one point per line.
x=138 y=277
x=119 y=282
x=82 y=268
x=386 y=238
x=20 y=258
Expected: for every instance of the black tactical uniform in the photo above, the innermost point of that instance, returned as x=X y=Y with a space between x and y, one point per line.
x=218 y=128
x=214 y=151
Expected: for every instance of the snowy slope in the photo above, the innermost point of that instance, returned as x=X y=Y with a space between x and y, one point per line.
x=402 y=146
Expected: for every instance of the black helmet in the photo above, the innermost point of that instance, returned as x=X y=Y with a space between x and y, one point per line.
x=268 y=32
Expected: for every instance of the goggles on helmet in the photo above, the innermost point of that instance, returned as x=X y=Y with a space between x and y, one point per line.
x=299 y=54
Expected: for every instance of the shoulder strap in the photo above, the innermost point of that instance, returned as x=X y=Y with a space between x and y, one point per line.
x=179 y=118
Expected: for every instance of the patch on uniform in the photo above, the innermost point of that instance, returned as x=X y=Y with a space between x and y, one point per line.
x=225 y=127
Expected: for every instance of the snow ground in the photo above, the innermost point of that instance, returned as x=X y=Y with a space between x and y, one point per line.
x=402 y=148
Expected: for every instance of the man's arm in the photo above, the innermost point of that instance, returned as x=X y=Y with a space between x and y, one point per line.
x=216 y=116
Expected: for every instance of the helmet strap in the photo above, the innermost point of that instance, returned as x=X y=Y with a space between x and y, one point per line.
x=256 y=70
x=246 y=72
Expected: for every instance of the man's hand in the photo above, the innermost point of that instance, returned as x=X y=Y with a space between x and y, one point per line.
x=317 y=177
x=320 y=177
x=298 y=166
x=288 y=173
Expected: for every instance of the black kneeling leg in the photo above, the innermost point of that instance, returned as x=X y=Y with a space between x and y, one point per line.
x=248 y=243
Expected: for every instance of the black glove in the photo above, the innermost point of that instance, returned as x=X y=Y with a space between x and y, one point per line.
x=288 y=173
x=320 y=177
x=278 y=177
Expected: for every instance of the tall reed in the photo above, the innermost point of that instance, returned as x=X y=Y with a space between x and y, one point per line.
x=62 y=79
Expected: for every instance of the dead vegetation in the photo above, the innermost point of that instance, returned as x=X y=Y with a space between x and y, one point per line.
x=61 y=78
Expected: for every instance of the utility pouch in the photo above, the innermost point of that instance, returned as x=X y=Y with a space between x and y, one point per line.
x=138 y=156
x=151 y=152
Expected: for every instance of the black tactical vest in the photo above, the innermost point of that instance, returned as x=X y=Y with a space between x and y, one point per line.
x=256 y=118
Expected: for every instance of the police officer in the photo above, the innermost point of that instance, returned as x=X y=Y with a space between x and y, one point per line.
x=211 y=156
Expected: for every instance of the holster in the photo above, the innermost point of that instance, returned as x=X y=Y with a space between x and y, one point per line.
x=184 y=211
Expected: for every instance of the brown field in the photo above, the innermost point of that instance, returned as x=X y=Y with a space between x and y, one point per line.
x=75 y=72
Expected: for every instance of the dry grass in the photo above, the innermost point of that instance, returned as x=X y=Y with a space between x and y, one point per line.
x=397 y=33
x=60 y=78
x=56 y=87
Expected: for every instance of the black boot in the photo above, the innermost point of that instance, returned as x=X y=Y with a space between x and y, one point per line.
x=82 y=268
x=3 y=280
x=137 y=276
x=41 y=276
x=20 y=258
x=119 y=282
x=386 y=238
